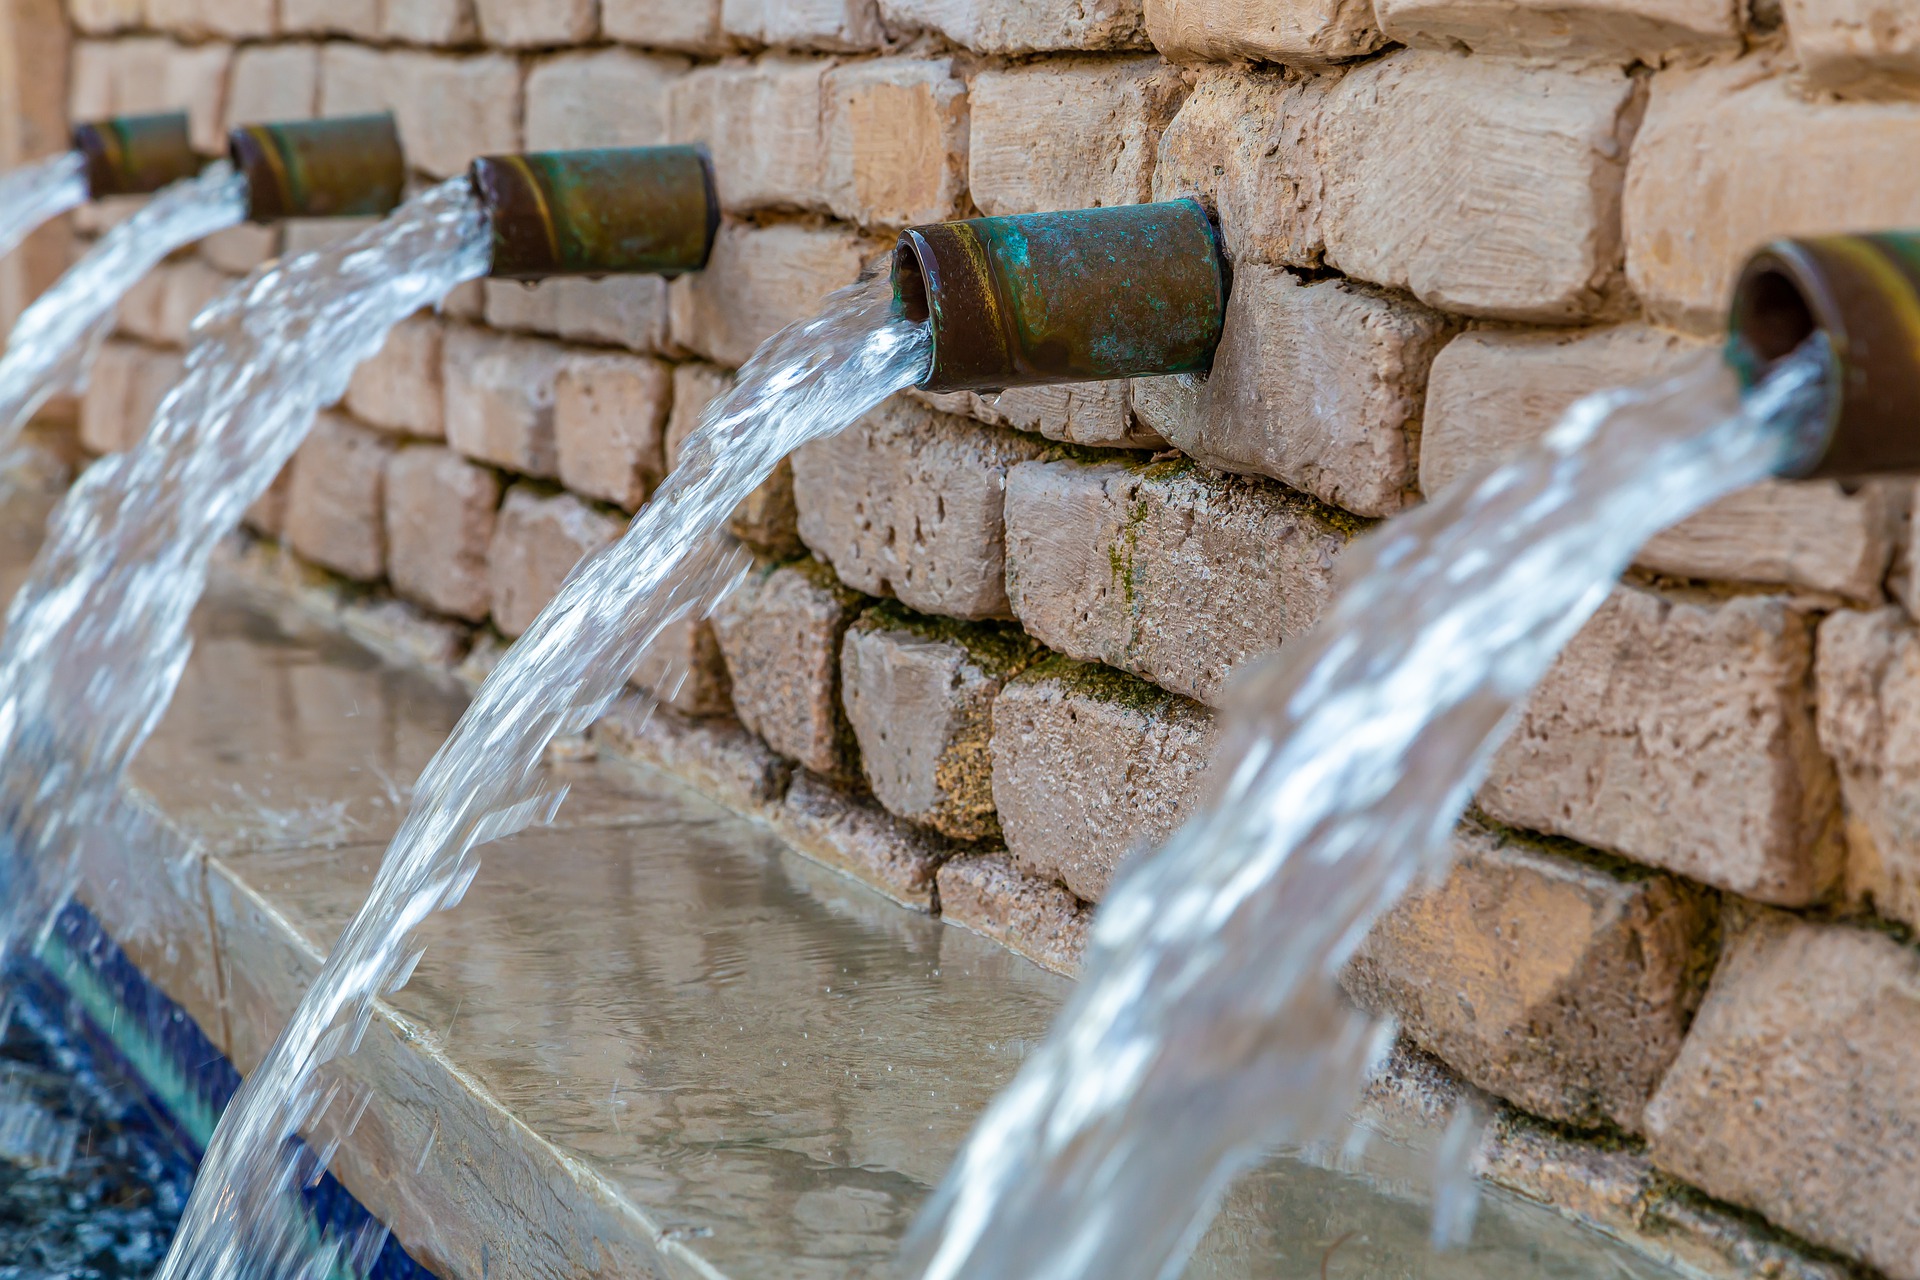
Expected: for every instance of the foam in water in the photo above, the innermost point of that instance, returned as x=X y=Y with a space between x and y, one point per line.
x=33 y=193
x=1209 y=1026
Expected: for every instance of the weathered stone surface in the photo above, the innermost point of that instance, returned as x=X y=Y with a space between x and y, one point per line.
x=716 y=757
x=1019 y=26
x=536 y=543
x=1797 y=1092
x=1169 y=572
x=909 y=503
x=268 y=514
x=834 y=25
x=984 y=892
x=1091 y=766
x=609 y=420
x=403 y=387
x=759 y=280
x=1649 y=31
x=357 y=18
x=440 y=520
x=1680 y=732
x=106 y=17
x=1262 y=30
x=199 y=19
x=273 y=82
x=621 y=311
x=430 y=21
x=1098 y=414
x=1104 y=121
x=685 y=669
x=862 y=840
x=1482 y=186
x=761 y=121
x=533 y=23
x=336 y=500
x=780 y=631
x=689 y=26
x=191 y=285
x=571 y=100
x=147 y=74
x=1859 y=48
x=499 y=398
x=449 y=108
x=1557 y=983
x=129 y=381
x=139 y=312
x=766 y=519
x=894 y=141
x=238 y=250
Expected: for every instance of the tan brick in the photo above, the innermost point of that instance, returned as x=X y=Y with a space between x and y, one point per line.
x=440 y=513
x=309 y=235
x=1730 y=157
x=611 y=98
x=685 y=669
x=759 y=280
x=499 y=398
x=200 y=19
x=107 y=17
x=1020 y=26
x=403 y=387
x=1262 y=30
x=190 y=287
x=273 y=82
x=621 y=311
x=1099 y=414
x=536 y=543
x=1091 y=766
x=688 y=26
x=129 y=381
x=830 y=25
x=535 y=23
x=1555 y=982
x=1104 y=121
x=336 y=500
x=861 y=840
x=1797 y=1093
x=148 y=74
x=1860 y=48
x=780 y=631
x=767 y=518
x=239 y=250
x=430 y=21
x=716 y=757
x=1479 y=185
x=268 y=514
x=1176 y=574
x=609 y=420
x=357 y=18
x=1649 y=31
x=449 y=108
x=895 y=141
x=761 y=122
x=140 y=309
x=909 y=503
x=984 y=892
x=1680 y=733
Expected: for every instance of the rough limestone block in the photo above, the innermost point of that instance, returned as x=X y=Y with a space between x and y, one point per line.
x=336 y=501
x=780 y=631
x=148 y=74
x=1103 y=124
x=1091 y=766
x=862 y=840
x=1098 y=414
x=620 y=311
x=191 y=287
x=920 y=697
x=1730 y=157
x=832 y=25
x=1481 y=186
x=273 y=82
x=1176 y=574
x=202 y=19
x=894 y=141
x=1555 y=982
x=716 y=757
x=533 y=23
x=357 y=18
x=984 y=892
x=239 y=250
x=685 y=669
x=140 y=310
x=766 y=519
x=106 y=17
x=1797 y=1093
x=440 y=519
x=499 y=398
x=758 y=281
x=609 y=420
x=449 y=108
x=1679 y=732
x=128 y=383
x=1021 y=26
x=909 y=503
x=611 y=98
x=686 y=26
x=1262 y=30
x=1649 y=31
x=1859 y=48
x=442 y=22
x=403 y=387
x=1319 y=385
x=268 y=514
x=761 y=122
x=536 y=543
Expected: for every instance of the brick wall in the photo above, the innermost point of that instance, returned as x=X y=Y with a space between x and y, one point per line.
x=979 y=661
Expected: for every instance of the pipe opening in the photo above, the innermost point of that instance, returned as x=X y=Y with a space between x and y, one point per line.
x=910 y=284
x=1773 y=315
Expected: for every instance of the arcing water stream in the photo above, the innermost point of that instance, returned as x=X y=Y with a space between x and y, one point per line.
x=36 y=192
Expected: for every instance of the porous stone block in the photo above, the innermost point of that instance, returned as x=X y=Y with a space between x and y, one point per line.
x=499 y=399
x=685 y=669
x=1730 y=157
x=403 y=387
x=536 y=23
x=1557 y=982
x=1104 y=121
x=440 y=520
x=716 y=757
x=1176 y=574
x=273 y=82
x=894 y=141
x=336 y=500
x=267 y=516
x=139 y=312
x=609 y=419
x=1797 y=1093
x=357 y=18
x=759 y=280
x=1479 y=185
x=1649 y=31
x=610 y=98
x=450 y=108
x=537 y=540
x=908 y=502
x=146 y=74
x=201 y=19
x=1021 y=27
x=862 y=840
x=1037 y=918
x=238 y=250
x=832 y=25
x=1091 y=766
x=1678 y=731
x=766 y=519
x=1858 y=48
x=106 y=17
x=761 y=122
x=1098 y=414
x=190 y=287
x=620 y=311
x=311 y=235
x=1262 y=30
x=780 y=631
x=129 y=381
x=688 y=26
x=432 y=22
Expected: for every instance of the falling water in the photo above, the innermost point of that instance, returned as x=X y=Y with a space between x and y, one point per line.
x=36 y=192
x=56 y=339
x=1209 y=1026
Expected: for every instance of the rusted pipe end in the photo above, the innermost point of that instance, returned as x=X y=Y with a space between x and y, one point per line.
x=135 y=155
x=1081 y=296
x=344 y=168
x=612 y=211
x=1863 y=292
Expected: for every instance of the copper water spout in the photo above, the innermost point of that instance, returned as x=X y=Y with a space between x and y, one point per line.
x=346 y=167
x=135 y=155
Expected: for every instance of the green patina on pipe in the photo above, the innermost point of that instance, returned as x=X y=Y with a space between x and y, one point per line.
x=342 y=168
x=135 y=155
x=611 y=211
x=1065 y=297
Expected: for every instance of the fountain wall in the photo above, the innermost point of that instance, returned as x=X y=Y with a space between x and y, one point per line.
x=989 y=639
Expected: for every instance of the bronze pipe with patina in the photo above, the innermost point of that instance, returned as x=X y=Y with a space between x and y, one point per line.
x=135 y=155
x=607 y=211
x=351 y=166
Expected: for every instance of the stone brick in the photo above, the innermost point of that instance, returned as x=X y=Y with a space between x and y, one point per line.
x=862 y=840
x=1860 y=48
x=1649 y=31
x=1099 y=414
x=129 y=381
x=1104 y=121
x=537 y=540
x=310 y=235
x=106 y=17
x=909 y=503
x=1021 y=27
x=336 y=500
x=766 y=519
x=357 y=18
x=609 y=419
x=780 y=631
x=449 y=108
x=716 y=757
x=430 y=21
x=895 y=141
x=499 y=398
x=761 y=122
x=984 y=892
x=1091 y=766
x=620 y=311
x=268 y=514
x=1479 y=185
x=273 y=82
x=139 y=312
x=190 y=287
x=1730 y=157
x=1797 y=1093
x=535 y=23
x=1555 y=982
x=1262 y=30
x=844 y=25
x=1680 y=732
x=403 y=387
x=147 y=74
x=685 y=669
x=1176 y=574
x=759 y=280
x=239 y=250
x=440 y=519
x=688 y=26
x=571 y=100
x=201 y=19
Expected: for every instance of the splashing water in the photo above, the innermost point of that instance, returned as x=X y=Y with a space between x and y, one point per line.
x=33 y=193
x=810 y=380
x=55 y=341
x=1209 y=1025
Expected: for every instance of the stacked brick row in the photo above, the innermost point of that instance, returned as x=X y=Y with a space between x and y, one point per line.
x=982 y=655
